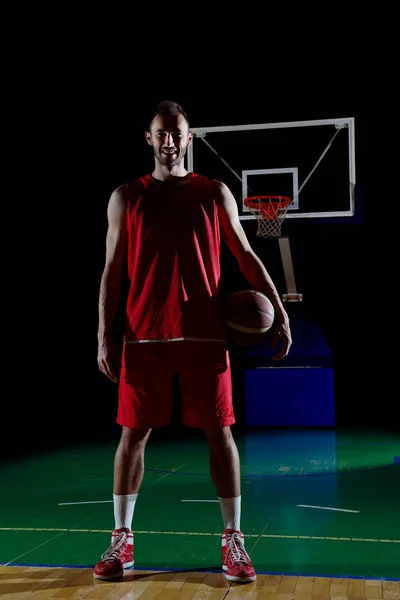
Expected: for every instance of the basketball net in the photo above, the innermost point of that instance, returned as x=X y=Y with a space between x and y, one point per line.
x=269 y=212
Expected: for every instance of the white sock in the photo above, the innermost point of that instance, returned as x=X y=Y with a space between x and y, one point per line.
x=230 y=509
x=123 y=510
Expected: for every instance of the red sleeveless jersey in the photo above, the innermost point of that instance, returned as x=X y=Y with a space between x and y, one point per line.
x=173 y=261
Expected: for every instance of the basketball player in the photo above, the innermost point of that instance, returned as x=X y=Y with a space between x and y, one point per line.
x=167 y=224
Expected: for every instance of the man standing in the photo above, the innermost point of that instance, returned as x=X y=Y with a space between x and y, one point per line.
x=167 y=225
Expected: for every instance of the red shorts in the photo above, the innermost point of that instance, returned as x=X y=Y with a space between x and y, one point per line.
x=146 y=384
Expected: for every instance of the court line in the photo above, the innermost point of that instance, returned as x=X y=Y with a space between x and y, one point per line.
x=300 y=505
x=199 y=500
x=105 y=501
x=59 y=533
x=166 y=474
x=328 y=508
x=143 y=568
x=272 y=515
x=210 y=534
x=88 y=502
x=286 y=475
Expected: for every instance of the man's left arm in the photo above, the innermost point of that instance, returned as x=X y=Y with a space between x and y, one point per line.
x=250 y=264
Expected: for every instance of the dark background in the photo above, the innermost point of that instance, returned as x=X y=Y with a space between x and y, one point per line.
x=82 y=135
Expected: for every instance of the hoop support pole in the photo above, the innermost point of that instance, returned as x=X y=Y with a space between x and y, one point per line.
x=292 y=295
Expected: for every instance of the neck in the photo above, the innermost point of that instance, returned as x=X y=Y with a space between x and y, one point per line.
x=175 y=173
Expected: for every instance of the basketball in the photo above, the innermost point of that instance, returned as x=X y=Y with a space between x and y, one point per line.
x=248 y=316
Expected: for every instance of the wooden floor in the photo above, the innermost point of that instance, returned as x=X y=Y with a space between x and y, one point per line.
x=31 y=583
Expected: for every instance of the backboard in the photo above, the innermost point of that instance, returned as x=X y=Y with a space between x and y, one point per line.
x=312 y=162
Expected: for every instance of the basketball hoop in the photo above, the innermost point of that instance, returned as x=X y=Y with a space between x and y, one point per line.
x=270 y=212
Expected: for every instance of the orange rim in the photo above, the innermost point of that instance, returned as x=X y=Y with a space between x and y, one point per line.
x=269 y=206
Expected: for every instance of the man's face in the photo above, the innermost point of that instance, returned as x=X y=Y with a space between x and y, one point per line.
x=170 y=138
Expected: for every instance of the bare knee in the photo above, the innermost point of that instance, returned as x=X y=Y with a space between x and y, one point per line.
x=219 y=437
x=134 y=440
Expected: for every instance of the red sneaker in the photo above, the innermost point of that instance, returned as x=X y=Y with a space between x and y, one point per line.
x=235 y=560
x=117 y=557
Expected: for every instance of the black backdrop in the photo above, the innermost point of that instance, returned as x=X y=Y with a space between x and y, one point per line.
x=79 y=145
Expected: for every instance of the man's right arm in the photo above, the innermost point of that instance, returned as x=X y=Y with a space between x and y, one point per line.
x=111 y=279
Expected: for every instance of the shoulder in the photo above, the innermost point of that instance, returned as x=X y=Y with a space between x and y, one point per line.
x=119 y=199
x=222 y=194
x=127 y=193
x=218 y=188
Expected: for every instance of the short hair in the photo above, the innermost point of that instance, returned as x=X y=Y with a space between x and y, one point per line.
x=169 y=108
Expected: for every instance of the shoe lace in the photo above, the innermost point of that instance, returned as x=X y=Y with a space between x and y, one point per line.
x=113 y=551
x=237 y=551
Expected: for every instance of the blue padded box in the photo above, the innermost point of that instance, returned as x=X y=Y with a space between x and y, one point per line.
x=297 y=391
